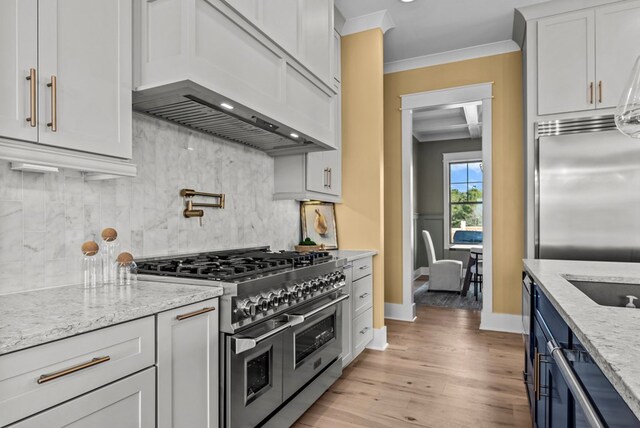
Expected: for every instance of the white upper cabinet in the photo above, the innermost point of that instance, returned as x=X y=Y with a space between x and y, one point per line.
x=19 y=62
x=585 y=57
x=337 y=61
x=566 y=63
x=65 y=84
x=617 y=47
x=85 y=49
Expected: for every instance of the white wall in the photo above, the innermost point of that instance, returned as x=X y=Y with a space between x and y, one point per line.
x=44 y=218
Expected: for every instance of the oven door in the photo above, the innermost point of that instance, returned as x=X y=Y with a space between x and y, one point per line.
x=254 y=373
x=314 y=343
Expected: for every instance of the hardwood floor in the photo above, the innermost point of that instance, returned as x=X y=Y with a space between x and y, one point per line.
x=440 y=371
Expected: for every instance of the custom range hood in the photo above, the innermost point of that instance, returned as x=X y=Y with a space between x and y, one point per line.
x=196 y=107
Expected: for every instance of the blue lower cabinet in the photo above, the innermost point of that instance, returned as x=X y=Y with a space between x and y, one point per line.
x=551 y=399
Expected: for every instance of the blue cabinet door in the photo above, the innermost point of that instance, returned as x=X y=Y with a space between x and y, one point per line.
x=559 y=400
x=540 y=376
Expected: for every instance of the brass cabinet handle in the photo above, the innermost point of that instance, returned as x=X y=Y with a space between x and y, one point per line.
x=364 y=267
x=600 y=91
x=536 y=374
x=33 y=82
x=54 y=104
x=362 y=296
x=330 y=178
x=364 y=330
x=591 y=93
x=194 y=314
x=55 y=375
x=325 y=178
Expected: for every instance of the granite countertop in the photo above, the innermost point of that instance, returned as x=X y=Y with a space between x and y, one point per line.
x=352 y=255
x=36 y=317
x=609 y=334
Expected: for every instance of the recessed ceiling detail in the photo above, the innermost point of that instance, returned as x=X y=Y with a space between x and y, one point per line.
x=451 y=122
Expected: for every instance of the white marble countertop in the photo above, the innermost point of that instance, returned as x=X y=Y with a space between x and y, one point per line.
x=36 y=317
x=352 y=255
x=611 y=335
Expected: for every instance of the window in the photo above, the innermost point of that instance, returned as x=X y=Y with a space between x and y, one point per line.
x=463 y=198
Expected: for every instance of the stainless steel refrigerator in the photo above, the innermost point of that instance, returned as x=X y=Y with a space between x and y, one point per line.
x=587 y=192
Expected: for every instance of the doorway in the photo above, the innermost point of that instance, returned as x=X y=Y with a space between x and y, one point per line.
x=448 y=204
x=480 y=94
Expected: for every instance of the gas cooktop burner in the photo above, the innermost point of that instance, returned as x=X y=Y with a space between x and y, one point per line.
x=231 y=265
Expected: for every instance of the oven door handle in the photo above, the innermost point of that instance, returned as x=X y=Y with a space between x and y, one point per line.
x=309 y=314
x=243 y=344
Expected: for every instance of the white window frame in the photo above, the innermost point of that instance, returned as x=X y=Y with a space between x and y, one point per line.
x=447 y=159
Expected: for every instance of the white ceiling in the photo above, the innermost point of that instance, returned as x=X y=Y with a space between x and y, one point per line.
x=426 y=27
x=452 y=122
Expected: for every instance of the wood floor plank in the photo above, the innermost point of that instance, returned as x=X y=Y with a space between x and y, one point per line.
x=440 y=371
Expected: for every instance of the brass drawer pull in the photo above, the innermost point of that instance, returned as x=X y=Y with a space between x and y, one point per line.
x=362 y=296
x=364 y=330
x=32 y=97
x=600 y=91
x=55 y=375
x=364 y=267
x=591 y=93
x=194 y=314
x=54 y=104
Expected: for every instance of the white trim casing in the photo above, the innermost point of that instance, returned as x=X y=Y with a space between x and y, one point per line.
x=379 y=341
x=464 y=54
x=448 y=158
x=462 y=94
x=380 y=19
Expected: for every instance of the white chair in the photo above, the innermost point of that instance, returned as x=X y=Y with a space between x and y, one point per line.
x=444 y=275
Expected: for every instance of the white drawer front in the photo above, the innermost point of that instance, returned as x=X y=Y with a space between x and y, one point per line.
x=362 y=331
x=128 y=403
x=81 y=363
x=362 y=268
x=362 y=295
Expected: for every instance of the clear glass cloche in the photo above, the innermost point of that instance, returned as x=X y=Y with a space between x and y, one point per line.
x=627 y=114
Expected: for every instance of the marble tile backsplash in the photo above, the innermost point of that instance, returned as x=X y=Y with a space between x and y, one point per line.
x=44 y=218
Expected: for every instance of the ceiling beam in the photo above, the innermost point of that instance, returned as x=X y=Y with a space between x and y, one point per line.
x=472 y=117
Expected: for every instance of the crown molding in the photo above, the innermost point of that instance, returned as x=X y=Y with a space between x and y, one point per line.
x=479 y=51
x=380 y=19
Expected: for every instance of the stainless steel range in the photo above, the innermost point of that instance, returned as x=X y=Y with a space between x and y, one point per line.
x=280 y=324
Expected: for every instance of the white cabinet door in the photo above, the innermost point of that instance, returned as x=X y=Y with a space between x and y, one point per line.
x=86 y=46
x=19 y=51
x=317 y=36
x=317 y=172
x=280 y=22
x=188 y=366
x=617 y=47
x=128 y=403
x=566 y=69
x=337 y=56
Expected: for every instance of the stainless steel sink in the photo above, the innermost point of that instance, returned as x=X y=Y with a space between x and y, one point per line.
x=608 y=293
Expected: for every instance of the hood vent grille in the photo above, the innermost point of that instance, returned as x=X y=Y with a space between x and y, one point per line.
x=199 y=108
x=575 y=126
x=210 y=119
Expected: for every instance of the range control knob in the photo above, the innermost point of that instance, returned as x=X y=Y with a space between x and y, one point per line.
x=262 y=304
x=306 y=288
x=342 y=277
x=284 y=296
x=248 y=307
x=295 y=291
x=274 y=300
x=315 y=285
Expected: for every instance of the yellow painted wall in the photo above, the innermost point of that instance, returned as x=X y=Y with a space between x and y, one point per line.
x=360 y=217
x=507 y=166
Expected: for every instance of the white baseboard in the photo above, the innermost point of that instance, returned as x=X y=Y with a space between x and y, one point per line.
x=396 y=311
x=379 y=341
x=508 y=323
x=420 y=271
